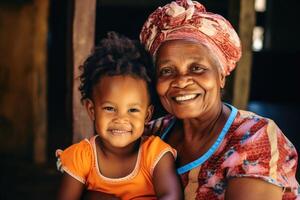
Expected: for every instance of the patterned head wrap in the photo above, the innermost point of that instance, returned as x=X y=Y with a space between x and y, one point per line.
x=186 y=19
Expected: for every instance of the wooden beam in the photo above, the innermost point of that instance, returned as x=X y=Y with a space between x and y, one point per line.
x=83 y=42
x=40 y=30
x=242 y=76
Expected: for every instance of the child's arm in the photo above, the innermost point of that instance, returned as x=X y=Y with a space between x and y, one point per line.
x=96 y=195
x=70 y=188
x=165 y=179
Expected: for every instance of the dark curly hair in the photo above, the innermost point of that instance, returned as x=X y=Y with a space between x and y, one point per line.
x=115 y=55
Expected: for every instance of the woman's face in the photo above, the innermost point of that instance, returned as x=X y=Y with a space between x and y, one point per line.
x=188 y=78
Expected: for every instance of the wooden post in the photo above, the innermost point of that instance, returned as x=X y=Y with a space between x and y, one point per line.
x=242 y=74
x=40 y=30
x=83 y=42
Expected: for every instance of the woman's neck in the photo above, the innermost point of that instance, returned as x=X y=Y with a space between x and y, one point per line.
x=204 y=126
x=193 y=137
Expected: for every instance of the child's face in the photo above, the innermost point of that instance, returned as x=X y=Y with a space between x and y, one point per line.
x=120 y=108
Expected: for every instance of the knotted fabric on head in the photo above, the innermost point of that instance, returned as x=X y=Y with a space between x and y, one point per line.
x=186 y=19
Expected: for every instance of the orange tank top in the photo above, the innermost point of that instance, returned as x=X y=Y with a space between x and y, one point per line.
x=80 y=161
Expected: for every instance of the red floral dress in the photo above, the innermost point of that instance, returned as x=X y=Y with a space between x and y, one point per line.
x=248 y=146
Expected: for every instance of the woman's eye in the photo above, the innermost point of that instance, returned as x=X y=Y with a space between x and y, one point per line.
x=197 y=69
x=133 y=110
x=109 y=109
x=166 y=71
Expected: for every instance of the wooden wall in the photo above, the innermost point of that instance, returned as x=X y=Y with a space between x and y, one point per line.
x=23 y=117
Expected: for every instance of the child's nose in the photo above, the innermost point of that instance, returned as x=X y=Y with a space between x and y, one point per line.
x=121 y=118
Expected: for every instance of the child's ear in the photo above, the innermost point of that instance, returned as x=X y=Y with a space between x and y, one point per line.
x=150 y=110
x=89 y=105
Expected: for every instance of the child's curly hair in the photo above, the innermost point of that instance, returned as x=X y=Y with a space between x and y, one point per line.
x=115 y=55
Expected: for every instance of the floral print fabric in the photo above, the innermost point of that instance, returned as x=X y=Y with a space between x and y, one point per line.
x=252 y=147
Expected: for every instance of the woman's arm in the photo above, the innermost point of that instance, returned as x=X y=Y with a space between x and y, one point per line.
x=70 y=188
x=165 y=179
x=252 y=189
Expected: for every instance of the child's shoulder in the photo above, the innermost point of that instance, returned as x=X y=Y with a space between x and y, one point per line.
x=84 y=144
x=152 y=140
x=153 y=149
x=81 y=149
x=76 y=160
x=155 y=146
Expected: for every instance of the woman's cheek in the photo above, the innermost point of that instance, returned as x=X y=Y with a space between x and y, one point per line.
x=162 y=90
x=166 y=104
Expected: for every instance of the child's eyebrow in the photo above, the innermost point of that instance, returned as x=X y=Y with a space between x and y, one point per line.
x=105 y=102
x=135 y=104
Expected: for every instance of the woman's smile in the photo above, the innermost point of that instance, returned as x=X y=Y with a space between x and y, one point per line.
x=186 y=98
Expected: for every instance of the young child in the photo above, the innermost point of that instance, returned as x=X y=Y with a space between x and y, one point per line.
x=118 y=160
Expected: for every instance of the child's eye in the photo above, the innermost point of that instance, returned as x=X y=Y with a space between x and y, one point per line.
x=109 y=109
x=166 y=71
x=197 y=69
x=133 y=110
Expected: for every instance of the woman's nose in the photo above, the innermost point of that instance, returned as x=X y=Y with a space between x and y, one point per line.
x=182 y=81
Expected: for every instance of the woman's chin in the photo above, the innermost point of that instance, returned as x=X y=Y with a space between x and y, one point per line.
x=186 y=114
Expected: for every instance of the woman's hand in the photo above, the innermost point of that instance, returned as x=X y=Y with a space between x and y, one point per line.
x=95 y=195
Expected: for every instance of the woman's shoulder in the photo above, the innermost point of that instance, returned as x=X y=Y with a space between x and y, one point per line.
x=256 y=147
x=251 y=129
x=246 y=121
x=159 y=126
x=248 y=127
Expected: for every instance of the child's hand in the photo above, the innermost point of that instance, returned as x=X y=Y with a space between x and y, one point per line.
x=95 y=195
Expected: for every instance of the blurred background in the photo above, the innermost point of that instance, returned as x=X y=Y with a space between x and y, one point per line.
x=38 y=67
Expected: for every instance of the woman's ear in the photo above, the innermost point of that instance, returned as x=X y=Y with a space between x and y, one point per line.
x=149 y=113
x=222 y=79
x=90 y=108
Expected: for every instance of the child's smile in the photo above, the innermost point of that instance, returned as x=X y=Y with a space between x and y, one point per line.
x=120 y=130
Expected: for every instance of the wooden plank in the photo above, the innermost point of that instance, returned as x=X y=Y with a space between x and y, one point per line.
x=242 y=76
x=16 y=67
x=40 y=31
x=83 y=42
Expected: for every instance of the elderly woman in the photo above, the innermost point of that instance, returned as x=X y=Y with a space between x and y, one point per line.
x=223 y=153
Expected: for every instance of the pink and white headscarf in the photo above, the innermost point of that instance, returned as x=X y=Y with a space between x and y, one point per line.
x=186 y=19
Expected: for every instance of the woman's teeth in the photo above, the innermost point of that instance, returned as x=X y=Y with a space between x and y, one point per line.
x=185 y=97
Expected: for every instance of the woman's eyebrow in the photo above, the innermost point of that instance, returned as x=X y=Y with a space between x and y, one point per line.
x=192 y=58
x=196 y=58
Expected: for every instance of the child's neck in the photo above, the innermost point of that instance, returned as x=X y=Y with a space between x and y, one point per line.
x=117 y=162
x=115 y=152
